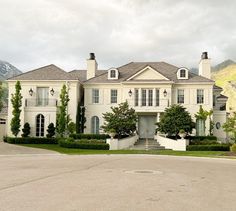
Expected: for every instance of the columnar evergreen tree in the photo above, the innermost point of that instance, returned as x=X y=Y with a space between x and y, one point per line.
x=174 y=119
x=122 y=120
x=80 y=119
x=26 y=130
x=51 y=130
x=16 y=100
x=62 y=115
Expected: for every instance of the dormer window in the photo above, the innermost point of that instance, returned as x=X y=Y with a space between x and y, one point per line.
x=113 y=74
x=182 y=73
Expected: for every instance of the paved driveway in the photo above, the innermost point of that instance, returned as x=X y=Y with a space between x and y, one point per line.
x=11 y=149
x=116 y=182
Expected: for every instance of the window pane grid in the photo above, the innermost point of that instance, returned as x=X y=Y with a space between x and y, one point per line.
x=180 y=98
x=144 y=97
x=136 y=97
x=200 y=96
x=150 y=97
x=157 y=97
x=95 y=96
x=113 y=96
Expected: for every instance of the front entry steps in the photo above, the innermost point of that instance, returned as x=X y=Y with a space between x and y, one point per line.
x=147 y=144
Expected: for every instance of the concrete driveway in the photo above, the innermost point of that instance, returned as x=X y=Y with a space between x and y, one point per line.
x=12 y=149
x=116 y=182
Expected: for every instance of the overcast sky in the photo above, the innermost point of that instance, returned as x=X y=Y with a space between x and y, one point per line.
x=35 y=33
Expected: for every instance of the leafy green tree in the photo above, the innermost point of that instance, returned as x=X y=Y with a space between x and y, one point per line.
x=71 y=127
x=16 y=100
x=51 y=130
x=26 y=130
x=174 y=119
x=80 y=119
x=62 y=115
x=230 y=126
x=122 y=119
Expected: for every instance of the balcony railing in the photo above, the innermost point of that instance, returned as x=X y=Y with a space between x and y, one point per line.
x=43 y=102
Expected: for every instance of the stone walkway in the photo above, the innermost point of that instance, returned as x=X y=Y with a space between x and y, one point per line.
x=11 y=149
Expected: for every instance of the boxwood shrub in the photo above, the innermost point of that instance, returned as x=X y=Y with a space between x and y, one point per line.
x=89 y=136
x=201 y=138
x=213 y=147
x=83 y=144
x=30 y=140
x=202 y=142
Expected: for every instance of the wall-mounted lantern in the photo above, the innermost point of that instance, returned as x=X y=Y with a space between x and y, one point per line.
x=31 y=92
x=165 y=93
x=130 y=93
x=52 y=92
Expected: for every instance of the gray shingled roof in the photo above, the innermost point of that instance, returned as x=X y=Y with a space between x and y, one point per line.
x=167 y=70
x=50 y=72
x=82 y=74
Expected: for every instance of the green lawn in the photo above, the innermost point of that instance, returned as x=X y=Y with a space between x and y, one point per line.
x=155 y=152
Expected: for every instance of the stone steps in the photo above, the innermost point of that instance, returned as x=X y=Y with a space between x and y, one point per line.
x=150 y=144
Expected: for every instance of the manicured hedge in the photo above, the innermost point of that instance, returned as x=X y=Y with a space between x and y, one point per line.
x=30 y=140
x=89 y=136
x=213 y=147
x=201 y=138
x=83 y=144
x=203 y=142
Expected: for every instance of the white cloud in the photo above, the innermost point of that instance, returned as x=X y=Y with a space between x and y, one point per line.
x=63 y=32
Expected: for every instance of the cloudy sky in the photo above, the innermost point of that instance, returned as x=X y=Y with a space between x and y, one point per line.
x=63 y=32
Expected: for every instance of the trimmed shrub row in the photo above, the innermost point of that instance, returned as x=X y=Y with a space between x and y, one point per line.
x=89 y=136
x=213 y=147
x=30 y=140
x=201 y=138
x=203 y=142
x=83 y=144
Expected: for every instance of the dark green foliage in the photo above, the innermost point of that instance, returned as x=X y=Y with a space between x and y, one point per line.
x=90 y=136
x=83 y=144
x=71 y=127
x=51 y=130
x=122 y=119
x=203 y=142
x=230 y=126
x=80 y=119
x=62 y=116
x=2 y=90
x=174 y=119
x=26 y=130
x=201 y=138
x=31 y=140
x=16 y=100
x=213 y=147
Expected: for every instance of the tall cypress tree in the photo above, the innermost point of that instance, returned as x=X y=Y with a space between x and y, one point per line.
x=78 y=122
x=83 y=119
x=62 y=116
x=16 y=100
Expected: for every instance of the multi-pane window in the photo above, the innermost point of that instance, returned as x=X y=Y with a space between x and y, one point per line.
x=42 y=96
x=136 y=96
x=180 y=96
x=112 y=73
x=182 y=73
x=113 y=95
x=214 y=100
x=95 y=95
x=157 y=97
x=150 y=97
x=144 y=97
x=200 y=96
x=95 y=125
x=39 y=125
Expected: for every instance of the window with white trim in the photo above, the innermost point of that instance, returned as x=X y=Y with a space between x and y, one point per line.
x=113 y=95
x=136 y=97
x=182 y=73
x=95 y=125
x=180 y=96
x=95 y=95
x=112 y=74
x=157 y=97
x=144 y=97
x=150 y=97
x=200 y=96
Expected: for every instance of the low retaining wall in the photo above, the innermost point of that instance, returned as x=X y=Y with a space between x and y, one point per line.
x=124 y=143
x=178 y=145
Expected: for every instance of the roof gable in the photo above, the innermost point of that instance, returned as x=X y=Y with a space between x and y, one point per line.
x=147 y=73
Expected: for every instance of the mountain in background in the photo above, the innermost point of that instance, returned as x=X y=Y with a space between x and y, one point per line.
x=223 y=65
x=7 y=70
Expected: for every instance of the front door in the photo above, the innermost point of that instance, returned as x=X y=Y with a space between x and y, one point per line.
x=146 y=126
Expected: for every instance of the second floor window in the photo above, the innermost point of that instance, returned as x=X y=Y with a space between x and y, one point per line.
x=144 y=97
x=150 y=97
x=200 y=96
x=42 y=96
x=180 y=96
x=157 y=97
x=113 y=95
x=113 y=74
x=136 y=97
x=95 y=95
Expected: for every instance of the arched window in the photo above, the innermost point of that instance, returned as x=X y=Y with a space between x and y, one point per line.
x=182 y=73
x=112 y=73
x=40 y=125
x=95 y=125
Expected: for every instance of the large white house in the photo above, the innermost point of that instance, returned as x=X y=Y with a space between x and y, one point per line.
x=149 y=87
